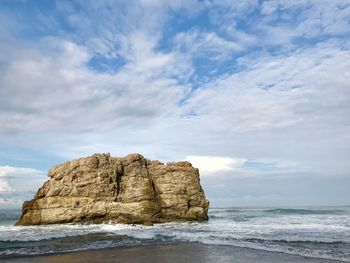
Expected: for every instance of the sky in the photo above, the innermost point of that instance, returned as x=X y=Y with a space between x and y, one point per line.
x=256 y=94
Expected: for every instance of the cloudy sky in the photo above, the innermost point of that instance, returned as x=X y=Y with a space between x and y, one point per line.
x=254 y=93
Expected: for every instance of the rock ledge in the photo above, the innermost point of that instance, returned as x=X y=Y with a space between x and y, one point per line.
x=132 y=190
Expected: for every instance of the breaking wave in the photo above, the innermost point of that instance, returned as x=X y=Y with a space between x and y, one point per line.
x=311 y=232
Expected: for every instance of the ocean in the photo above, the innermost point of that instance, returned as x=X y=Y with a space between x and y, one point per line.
x=318 y=232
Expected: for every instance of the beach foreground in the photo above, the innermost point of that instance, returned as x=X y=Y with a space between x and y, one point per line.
x=174 y=252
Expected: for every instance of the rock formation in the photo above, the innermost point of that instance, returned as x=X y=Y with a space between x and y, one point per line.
x=101 y=188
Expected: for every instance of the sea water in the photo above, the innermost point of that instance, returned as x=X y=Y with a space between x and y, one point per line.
x=320 y=232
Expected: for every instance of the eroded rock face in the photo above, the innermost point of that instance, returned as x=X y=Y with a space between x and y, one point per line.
x=132 y=189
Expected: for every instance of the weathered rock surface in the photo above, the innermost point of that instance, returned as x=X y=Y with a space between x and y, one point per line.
x=132 y=189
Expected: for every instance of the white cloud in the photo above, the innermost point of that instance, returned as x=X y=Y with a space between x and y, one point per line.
x=205 y=44
x=4 y=186
x=278 y=91
x=286 y=98
x=224 y=12
x=20 y=179
x=18 y=184
x=208 y=165
x=286 y=107
x=10 y=171
x=314 y=18
x=268 y=7
x=43 y=93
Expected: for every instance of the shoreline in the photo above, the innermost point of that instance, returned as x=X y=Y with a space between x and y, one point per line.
x=172 y=253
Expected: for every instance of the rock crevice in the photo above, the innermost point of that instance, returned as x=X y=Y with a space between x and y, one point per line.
x=132 y=189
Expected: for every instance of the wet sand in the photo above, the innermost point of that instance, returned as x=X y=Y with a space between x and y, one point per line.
x=172 y=253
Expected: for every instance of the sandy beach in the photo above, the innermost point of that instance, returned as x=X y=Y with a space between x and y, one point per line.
x=180 y=252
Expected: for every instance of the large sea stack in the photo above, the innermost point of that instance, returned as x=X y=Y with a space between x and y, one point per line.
x=132 y=189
